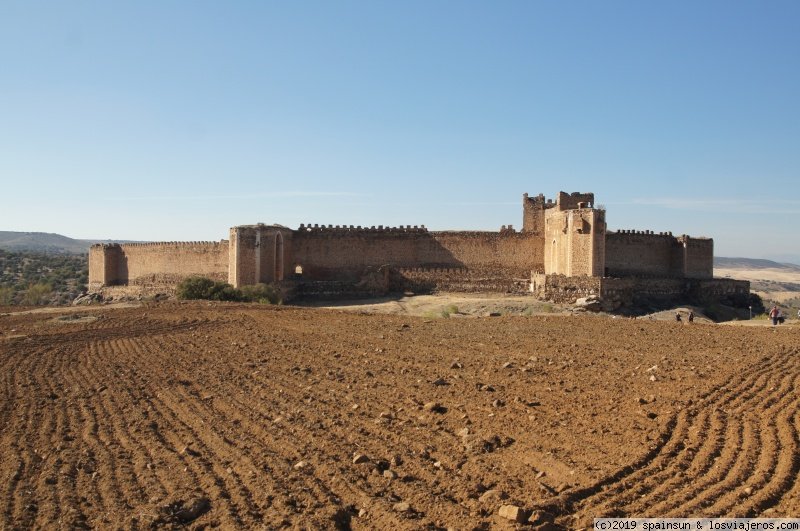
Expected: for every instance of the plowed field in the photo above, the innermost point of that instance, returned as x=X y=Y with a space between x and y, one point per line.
x=238 y=416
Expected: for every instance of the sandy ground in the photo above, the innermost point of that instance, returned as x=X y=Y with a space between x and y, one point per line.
x=211 y=415
x=454 y=305
x=779 y=285
x=775 y=275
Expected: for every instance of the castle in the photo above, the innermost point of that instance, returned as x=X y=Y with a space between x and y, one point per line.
x=562 y=253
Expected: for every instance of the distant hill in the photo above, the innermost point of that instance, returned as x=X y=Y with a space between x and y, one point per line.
x=42 y=242
x=722 y=262
x=45 y=242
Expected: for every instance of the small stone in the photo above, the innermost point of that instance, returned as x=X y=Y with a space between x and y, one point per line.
x=440 y=381
x=508 y=365
x=396 y=460
x=402 y=507
x=490 y=496
x=541 y=474
x=463 y=432
x=362 y=513
x=437 y=464
x=389 y=474
x=513 y=513
x=652 y=415
x=498 y=403
x=386 y=415
x=300 y=465
x=456 y=365
x=641 y=401
x=652 y=377
x=360 y=458
x=748 y=491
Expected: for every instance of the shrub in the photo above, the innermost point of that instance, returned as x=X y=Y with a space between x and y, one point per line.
x=222 y=291
x=262 y=293
x=37 y=294
x=6 y=295
x=206 y=289
x=195 y=288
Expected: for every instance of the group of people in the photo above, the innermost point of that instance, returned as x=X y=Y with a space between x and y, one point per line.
x=777 y=315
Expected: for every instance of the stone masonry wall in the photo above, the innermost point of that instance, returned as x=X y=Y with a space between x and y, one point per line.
x=642 y=253
x=155 y=264
x=533 y=209
x=699 y=257
x=259 y=253
x=564 y=289
x=343 y=254
x=462 y=280
x=101 y=273
x=574 y=243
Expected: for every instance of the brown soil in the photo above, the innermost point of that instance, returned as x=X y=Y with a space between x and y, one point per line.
x=242 y=416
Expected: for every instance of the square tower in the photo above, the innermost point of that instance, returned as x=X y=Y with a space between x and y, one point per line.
x=574 y=237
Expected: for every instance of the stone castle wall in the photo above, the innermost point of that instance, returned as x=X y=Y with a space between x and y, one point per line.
x=627 y=291
x=641 y=253
x=647 y=254
x=564 y=289
x=567 y=239
x=698 y=257
x=156 y=264
x=329 y=254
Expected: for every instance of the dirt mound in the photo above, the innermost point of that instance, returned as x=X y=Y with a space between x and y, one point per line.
x=237 y=416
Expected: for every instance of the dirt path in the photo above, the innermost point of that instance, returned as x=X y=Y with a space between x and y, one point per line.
x=243 y=416
x=448 y=305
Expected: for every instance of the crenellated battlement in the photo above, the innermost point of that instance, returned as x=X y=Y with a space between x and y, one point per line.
x=642 y=232
x=132 y=245
x=404 y=229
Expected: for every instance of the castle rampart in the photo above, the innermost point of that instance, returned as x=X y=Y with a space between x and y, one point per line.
x=647 y=254
x=163 y=264
x=328 y=255
x=562 y=252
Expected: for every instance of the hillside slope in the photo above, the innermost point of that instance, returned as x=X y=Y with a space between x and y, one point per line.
x=42 y=242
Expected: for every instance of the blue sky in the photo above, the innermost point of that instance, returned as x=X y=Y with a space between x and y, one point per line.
x=166 y=120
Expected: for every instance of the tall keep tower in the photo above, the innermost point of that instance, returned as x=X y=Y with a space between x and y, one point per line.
x=574 y=236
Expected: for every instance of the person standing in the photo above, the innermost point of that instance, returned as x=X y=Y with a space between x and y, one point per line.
x=774 y=313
